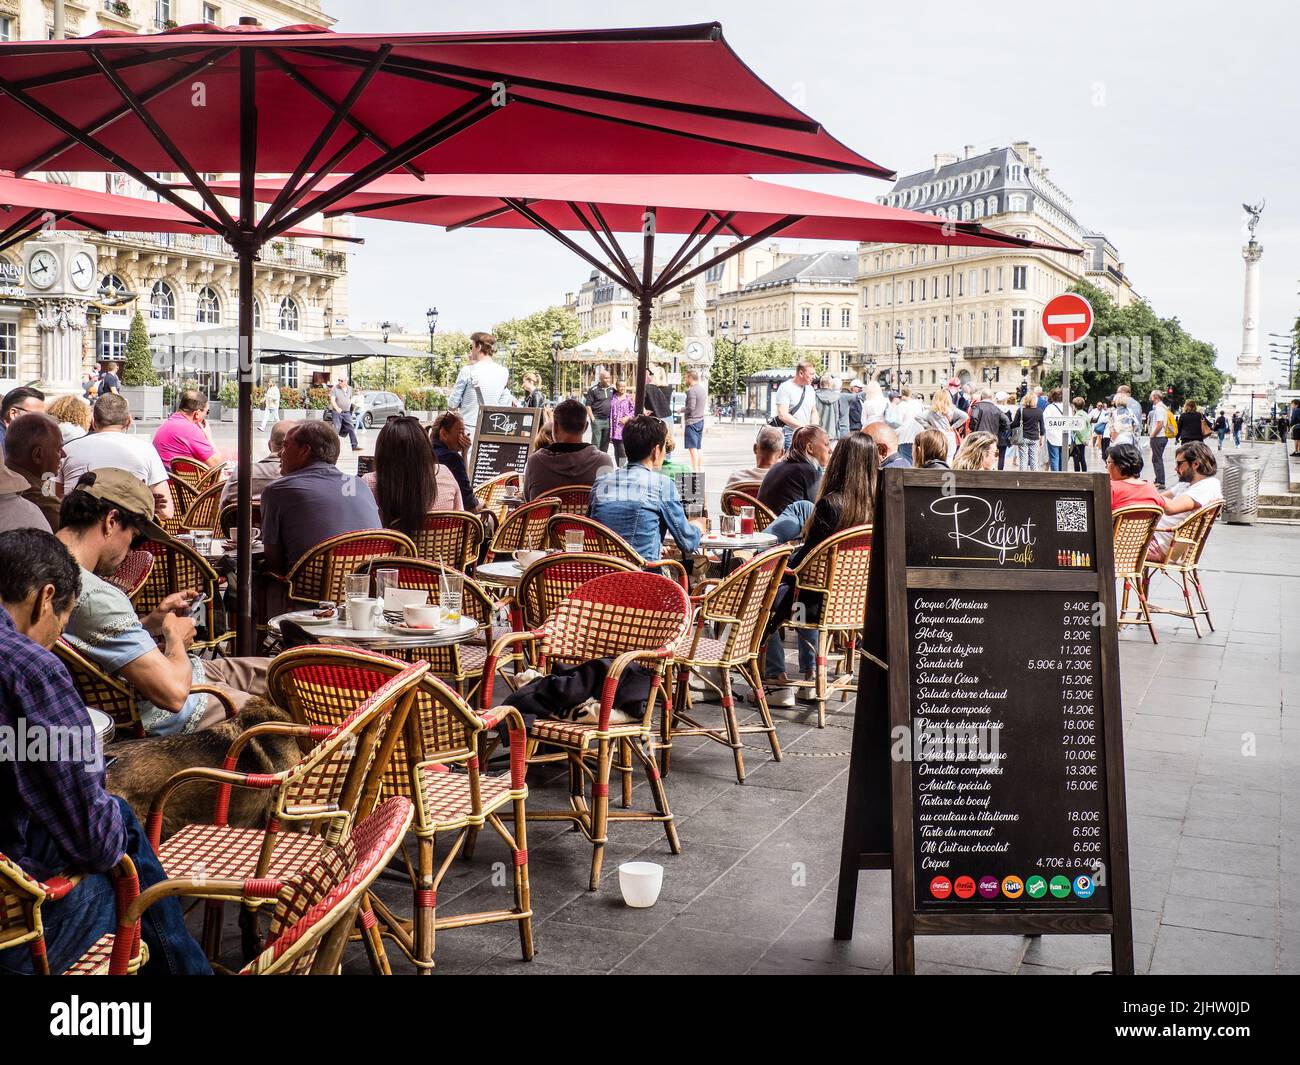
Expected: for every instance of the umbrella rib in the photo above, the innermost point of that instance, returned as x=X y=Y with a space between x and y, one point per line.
x=687 y=252
x=609 y=233
x=61 y=77
x=289 y=193
x=736 y=249
x=382 y=205
x=468 y=114
x=164 y=141
x=24 y=224
x=85 y=224
x=112 y=116
x=611 y=249
x=676 y=256
x=484 y=216
x=446 y=73
x=319 y=175
x=608 y=269
x=103 y=151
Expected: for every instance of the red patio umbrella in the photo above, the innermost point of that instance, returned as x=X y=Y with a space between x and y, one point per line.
x=308 y=102
x=703 y=206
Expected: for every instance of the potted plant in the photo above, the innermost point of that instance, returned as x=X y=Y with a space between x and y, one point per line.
x=141 y=387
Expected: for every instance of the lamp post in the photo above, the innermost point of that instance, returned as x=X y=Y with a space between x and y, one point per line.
x=952 y=362
x=385 y=327
x=735 y=361
x=431 y=315
x=899 y=341
x=514 y=347
x=557 y=338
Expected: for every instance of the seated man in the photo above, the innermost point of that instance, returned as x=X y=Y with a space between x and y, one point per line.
x=1197 y=487
x=55 y=816
x=34 y=448
x=768 y=446
x=266 y=469
x=886 y=438
x=185 y=434
x=567 y=461
x=313 y=499
x=16 y=511
x=101 y=519
x=798 y=475
x=111 y=444
x=637 y=501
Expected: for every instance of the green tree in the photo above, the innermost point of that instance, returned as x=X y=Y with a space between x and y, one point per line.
x=1177 y=360
x=668 y=338
x=750 y=358
x=137 y=369
x=533 y=336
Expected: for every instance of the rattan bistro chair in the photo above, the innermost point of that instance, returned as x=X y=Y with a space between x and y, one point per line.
x=228 y=518
x=184 y=493
x=459 y=664
x=598 y=539
x=342 y=708
x=525 y=527
x=740 y=604
x=1131 y=532
x=551 y=580
x=204 y=512
x=1181 y=563
x=750 y=488
x=176 y=566
x=733 y=499
x=836 y=570
x=192 y=472
x=21 y=899
x=320 y=575
x=130 y=575
x=113 y=695
x=492 y=494
x=453 y=537
x=629 y=617
x=574 y=498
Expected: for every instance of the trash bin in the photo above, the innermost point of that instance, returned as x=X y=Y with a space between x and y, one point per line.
x=1242 y=472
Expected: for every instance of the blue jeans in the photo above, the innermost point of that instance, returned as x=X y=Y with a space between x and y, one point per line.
x=1054 y=454
x=75 y=922
x=787 y=525
x=805 y=638
x=789 y=435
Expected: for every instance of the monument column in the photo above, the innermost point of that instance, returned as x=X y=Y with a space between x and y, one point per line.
x=62 y=327
x=1248 y=362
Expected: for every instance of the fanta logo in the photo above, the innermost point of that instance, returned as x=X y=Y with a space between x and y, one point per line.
x=1013 y=887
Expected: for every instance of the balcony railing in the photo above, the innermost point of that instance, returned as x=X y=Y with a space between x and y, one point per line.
x=274 y=253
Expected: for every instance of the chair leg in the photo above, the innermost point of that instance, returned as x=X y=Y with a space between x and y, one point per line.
x=753 y=673
x=426 y=901
x=660 y=798
x=600 y=811
x=213 y=911
x=523 y=890
x=819 y=678
x=1187 y=601
x=373 y=941
x=733 y=727
x=1200 y=594
x=249 y=939
x=1148 y=621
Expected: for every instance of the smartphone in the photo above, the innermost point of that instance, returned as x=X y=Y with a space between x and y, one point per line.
x=199 y=601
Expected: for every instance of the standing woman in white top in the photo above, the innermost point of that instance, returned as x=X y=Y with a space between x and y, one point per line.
x=874 y=403
x=270 y=404
x=481 y=383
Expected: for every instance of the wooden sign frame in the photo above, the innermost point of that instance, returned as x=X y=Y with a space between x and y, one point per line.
x=486 y=436
x=879 y=817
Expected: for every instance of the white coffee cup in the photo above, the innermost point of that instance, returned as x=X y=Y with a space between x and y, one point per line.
x=421 y=616
x=363 y=614
x=640 y=883
x=526 y=558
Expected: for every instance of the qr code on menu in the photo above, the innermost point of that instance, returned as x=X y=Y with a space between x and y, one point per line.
x=1071 y=516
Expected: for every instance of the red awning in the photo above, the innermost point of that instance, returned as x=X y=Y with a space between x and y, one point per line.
x=665 y=99
x=748 y=206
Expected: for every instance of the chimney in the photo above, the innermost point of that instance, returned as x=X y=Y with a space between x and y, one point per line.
x=1022 y=149
x=968 y=151
x=942 y=159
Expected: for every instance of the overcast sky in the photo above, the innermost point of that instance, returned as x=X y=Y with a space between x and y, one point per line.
x=1159 y=119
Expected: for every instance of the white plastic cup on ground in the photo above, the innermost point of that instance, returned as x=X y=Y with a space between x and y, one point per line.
x=640 y=883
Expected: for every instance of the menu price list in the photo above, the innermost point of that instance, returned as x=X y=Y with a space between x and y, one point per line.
x=1007 y=751
x=493 y=458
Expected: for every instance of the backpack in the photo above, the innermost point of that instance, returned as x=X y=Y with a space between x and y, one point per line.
x=1171 y=423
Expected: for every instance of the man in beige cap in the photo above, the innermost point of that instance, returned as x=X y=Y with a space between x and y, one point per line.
x=15 y=511
x=107 y=513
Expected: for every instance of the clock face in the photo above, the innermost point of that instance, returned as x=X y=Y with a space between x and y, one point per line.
x=83 y=271
x=694 y=350
x=43 y=269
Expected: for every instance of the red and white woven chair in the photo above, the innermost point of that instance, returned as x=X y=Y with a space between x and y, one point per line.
x=452 y=537
x=598 y=539
x=21 y=900
x=343 y=707
x=176 y=566
x=628 y=617
x=205 y=511
x=523 y=528
x=574 y=498
x=131 y=574
x=737 y=607
x=315 y=907
x=734 y=498
x=492 y=494
x=320 y=575
x=192 y=472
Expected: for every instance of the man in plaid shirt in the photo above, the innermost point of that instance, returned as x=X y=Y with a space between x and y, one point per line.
x=56 y=818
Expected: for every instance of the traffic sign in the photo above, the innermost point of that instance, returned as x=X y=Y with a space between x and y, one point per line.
x=1067 y=318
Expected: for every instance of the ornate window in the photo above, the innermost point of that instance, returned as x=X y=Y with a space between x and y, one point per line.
x=288 y=315
x=112 y=285
x=965 y=211
x=993 y=205
x=162 y=302
x=209 y=308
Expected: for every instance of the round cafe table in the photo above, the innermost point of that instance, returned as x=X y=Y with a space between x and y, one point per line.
x=726 y=545
x=383 y=636
x=504 y=574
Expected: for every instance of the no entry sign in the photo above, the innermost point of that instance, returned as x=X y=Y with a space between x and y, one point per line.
x=1067 y=318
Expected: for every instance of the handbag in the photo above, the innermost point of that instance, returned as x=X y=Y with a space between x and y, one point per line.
x=777 y=422
x=1206 y=430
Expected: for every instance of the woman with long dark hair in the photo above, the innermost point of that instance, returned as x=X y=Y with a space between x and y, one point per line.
x=845 y=499
x=408 y=481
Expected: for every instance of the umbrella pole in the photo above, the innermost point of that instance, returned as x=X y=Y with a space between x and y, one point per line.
x=645 y=301
x=245 y=624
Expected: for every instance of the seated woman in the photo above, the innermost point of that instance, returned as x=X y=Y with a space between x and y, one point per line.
x=450 y=446
x=930 y=450
x=1127 y=488
x=979 y=451
x=844 y=500
x=408 y=481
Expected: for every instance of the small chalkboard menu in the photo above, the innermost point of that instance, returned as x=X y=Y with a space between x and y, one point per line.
x=504 y=438
x=987 y=769
x=690 y=486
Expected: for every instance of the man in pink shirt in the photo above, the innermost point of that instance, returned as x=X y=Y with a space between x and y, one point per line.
x=185 y=434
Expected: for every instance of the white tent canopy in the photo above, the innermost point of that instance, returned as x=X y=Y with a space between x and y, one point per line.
x=618 y=345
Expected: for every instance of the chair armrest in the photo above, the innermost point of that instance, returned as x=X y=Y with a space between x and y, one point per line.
x=260 y=781
x=207 y=689
x=518 y=739
x=610 y=687
x=671 y=563
x=269 y=728
x=510 y=639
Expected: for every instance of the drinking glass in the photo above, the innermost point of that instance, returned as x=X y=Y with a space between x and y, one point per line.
x=730 y=524
x=450 y=587
x=203 y=541
x=384 y=579
x=747 y=520
x=574 y=540
x=356 y=586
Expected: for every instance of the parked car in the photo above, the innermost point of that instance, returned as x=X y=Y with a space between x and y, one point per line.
x=375 y=408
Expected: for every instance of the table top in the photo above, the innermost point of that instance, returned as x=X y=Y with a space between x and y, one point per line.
x=384 y=635
x=739 y=542
x=506 y=572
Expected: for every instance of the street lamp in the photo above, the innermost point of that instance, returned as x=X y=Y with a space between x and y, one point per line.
x=735 y=362
x=1024 y=379
x=514 y=347
x=432 y=316
x=952 y=362
x=899 y=341
x=385 y=326
x=557 y=338
x=871 y=367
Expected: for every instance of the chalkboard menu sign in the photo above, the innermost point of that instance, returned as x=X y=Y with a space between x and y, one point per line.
x=987 y=769
x=504 y=439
